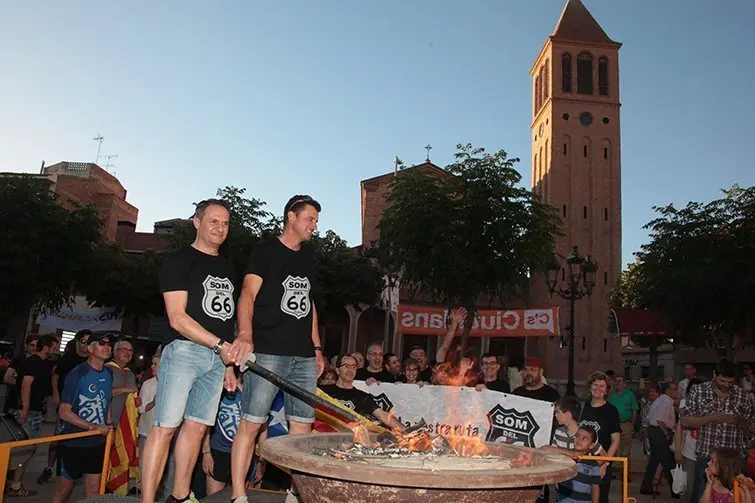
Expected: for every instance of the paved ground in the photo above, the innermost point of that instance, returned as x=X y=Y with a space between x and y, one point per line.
x=46 y=491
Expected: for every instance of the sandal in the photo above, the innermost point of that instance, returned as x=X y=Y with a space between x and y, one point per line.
x=21 y=492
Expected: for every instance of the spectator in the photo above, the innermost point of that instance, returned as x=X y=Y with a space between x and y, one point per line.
x=586 y=485
x=392 y=365
x=147 y=396
x=11 y=372
x=359 y=357
x=625 y=402
x=411 y=372
x=722 y=412
x=661 y=425
x=690 y=371
x=490 y=366
x=685 y=443
x=533 y=382
x=374 y=369
x=604 y=418
x=724 y=467
x=124 y=380
x=85 y=406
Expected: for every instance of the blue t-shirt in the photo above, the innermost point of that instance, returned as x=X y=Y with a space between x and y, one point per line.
x=89 y=392
x=580 y=487
x=229 y=414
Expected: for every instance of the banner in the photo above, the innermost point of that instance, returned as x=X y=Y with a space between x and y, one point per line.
x=429 y=320
x=106 y=318
x=490 y=415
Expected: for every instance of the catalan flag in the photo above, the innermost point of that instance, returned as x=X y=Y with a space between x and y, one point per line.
x=124 y=458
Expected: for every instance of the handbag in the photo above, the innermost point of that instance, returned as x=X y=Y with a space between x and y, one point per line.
x=679 y=480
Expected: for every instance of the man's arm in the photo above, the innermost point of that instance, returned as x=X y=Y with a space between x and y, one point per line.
x=66 y=414
x=458 y=315
x=388 y=419
x=147 y=394
x=175 y=308
x=10 y=376
x=54 y=381
x=25 y=397
x=316 y=341
x=615 y=440
x=245 y=308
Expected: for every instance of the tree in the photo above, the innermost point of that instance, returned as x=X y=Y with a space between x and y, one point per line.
x=468 y=233
x=345 y=276
x=45 y=248
x=698 y=269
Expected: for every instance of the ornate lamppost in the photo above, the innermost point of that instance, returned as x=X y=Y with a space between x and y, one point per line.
x=579 y=283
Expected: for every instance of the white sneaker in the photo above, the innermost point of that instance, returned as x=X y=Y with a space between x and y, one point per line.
x=240 y=499
x=291 y=497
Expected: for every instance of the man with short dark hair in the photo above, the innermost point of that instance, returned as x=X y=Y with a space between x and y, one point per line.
x=31 y=388
x=490 y=366
x=625 y=402
x=198 y=286
x=690 y=372
x=533 y=382
x=374 y=368
x=11 y=373
x=277 y=317
x=392 y=364
x=723 y=414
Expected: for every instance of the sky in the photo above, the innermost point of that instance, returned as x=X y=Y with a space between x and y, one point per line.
x=310 y=97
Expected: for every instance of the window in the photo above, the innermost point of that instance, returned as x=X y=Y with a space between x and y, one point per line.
x=605 y=152
x=563 y=274
x=605 y=214
x=605 y=345
x=565 y=149
x=603 y=76
x=566 y=72
x=584 y=212
x=534 y=169
x=538 y=84
x=564 y=210
x=546 y=80
x=583 y=343
x=605 y=277
x=584 y=74
x=584 y=150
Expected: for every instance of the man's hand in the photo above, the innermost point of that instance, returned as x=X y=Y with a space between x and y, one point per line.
x=103 y=429
x=138 y=401
x=603 y=469
x=208 y=464
x=459 y=315
x=480 y=387
x=230 y=383
x=240 y=349
x=23 y=416
x=678 y=456
x=320 y=363
x=225 y=355
x=371 y=380
x=721 y=418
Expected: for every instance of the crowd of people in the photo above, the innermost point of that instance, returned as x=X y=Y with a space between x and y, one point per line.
x=200 y=420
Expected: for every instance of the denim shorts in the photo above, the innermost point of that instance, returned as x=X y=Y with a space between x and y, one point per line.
x=33 y=421
x=259 y=393
x=189 y=385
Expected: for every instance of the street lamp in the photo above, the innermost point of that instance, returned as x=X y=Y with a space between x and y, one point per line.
x=579 y=284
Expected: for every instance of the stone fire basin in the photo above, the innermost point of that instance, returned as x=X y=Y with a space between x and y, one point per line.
x=326 y=479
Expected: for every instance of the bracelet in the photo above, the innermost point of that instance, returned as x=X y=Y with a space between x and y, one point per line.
x=206 y=452
x=318 y=348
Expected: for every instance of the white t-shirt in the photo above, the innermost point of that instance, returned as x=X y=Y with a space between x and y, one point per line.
x=662 y=410
x=147 y=394
x=683 y=388
x=689 y=439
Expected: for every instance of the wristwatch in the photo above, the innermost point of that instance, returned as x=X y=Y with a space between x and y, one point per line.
x=318 y=348
x=218 y=347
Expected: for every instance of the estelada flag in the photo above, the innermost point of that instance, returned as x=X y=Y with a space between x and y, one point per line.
x=124 y=458
x=327 y=421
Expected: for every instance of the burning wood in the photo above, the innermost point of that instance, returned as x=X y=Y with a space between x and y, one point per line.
x=416 y=442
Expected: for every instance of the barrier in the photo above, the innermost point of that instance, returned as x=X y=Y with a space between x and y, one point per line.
x=6 y=447
x=737 y=483
x=625 y=463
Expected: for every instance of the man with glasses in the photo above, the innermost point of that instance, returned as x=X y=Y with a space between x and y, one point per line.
x=277 y=316
x=374 y=368
x=357 y=400
x=490 y=380
x=124 y=380
x=85 y=406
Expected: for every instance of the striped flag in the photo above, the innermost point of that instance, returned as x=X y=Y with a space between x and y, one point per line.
x=124 y=458
x=327 y=421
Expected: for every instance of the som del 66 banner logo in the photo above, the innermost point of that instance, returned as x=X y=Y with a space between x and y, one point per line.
x=511 y=426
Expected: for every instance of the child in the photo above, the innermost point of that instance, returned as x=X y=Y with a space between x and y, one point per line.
x=567 y=410
x=586 y=485
x=724 y=466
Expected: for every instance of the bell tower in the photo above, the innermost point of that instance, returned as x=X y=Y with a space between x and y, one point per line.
x=576 y=167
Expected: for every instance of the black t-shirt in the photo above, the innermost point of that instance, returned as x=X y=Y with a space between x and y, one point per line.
x=13 y=397
x=604 y=419
x=210 y=281
x=355 y=399
x=35 y=367
x=498 y=385
x=546 y=393
x=383 y=376
x=426 y=375
x=65 y=365
x=283 y=308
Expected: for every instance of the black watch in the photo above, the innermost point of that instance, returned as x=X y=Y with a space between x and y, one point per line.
x=318 y=348
x=218 y=347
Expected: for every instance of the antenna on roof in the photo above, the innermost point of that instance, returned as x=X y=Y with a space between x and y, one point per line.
x=98 y=139
x=109 y=164
x=428 y=148
x=396 y=163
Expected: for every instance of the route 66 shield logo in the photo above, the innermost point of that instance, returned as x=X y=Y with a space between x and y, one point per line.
x=295 y=300
x=218 y=298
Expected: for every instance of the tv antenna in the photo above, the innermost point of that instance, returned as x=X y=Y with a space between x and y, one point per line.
x=396 y=163
x=98 y=139
x=109 y=164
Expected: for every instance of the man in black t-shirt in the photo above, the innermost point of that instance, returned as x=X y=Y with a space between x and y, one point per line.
x=357 y=400
x=533 y=383
x=278 y=316
x=31 y=389
x=11 y=373
x=198 y=287
x=490 y=367
x=374 y=368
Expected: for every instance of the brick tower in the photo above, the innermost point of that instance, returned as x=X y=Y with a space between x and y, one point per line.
x=576 y=167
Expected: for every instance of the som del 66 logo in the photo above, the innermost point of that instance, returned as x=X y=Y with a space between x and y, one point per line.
x=511 y=426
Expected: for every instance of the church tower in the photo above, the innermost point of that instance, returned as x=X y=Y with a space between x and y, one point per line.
x=576 y=167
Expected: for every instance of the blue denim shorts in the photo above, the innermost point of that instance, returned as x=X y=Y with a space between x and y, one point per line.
x=189 y=385
x=259 y=393
x=33 y=421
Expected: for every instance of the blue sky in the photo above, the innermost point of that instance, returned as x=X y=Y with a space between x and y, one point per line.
x=312 y=97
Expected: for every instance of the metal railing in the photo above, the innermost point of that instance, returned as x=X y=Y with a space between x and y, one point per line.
x=6 y=447
x=737 y=489
x=625 y=498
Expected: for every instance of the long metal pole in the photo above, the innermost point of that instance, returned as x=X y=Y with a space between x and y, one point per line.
x=570 y=383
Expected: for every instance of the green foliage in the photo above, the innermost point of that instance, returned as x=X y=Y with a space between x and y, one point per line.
x=472 y=232
x=698 y=270
x=45 y=248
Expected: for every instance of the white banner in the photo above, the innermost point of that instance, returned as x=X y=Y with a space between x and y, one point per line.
x=490 y=415
x=106 y=318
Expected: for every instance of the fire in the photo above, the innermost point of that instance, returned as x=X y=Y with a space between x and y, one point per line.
x=361 y=435
x=467 y=446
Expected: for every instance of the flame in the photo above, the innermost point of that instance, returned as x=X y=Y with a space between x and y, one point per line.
x=420 y=442
x=361 y=435
x=467 y=446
